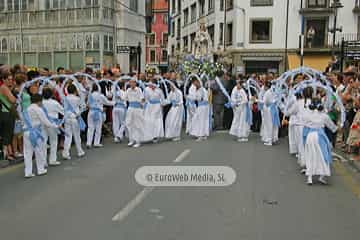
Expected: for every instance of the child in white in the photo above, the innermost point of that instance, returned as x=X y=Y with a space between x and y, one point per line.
x=174 y=119
x=240 y=126
x=134 y=120
x=190 y=107
x=317 y=152
x=200 y=122
x=96 y=116
x=119 y=113
x=53 y=108
x=271 y=121
x=35 y=120
x=72 y=122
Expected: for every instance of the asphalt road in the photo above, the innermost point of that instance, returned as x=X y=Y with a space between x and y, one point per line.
x=269 y=200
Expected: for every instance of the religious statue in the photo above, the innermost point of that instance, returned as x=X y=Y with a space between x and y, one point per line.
x=203 y=47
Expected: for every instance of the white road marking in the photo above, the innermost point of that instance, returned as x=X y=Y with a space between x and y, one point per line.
x=140 y=197
x=182 y=156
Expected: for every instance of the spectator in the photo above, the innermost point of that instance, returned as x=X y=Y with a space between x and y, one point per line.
x=7 y=114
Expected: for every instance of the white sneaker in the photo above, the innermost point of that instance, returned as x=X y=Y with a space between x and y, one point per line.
x=155 y=140
x=116 y=140
x=30 y=176
x=322 y=180
x=131 y=143
x=19 y=155
x=80 y=155
x=54 y=164
x=309 y=181
x=267 y=143
x=66 y=157
x=88 y=146
x=137 y=145
x=176 y=139
x=42 y=173
x=98 y=146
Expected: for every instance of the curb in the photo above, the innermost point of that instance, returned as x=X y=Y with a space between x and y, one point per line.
x=353 y=164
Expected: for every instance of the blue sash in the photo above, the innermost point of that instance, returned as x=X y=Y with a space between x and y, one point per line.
x=96 y=112
x=324 y=142
x=260 y=106
x=190 y=103
x=154 y=101
x=35 y=133
x=69 y=108
x=120 y=105
x=249 y=115
x=203 y=103
x=274 y=110
x=134 y=105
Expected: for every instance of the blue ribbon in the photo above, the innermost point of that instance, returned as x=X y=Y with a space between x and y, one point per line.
x=134 y=105
x=260 y=106
x=324 y=142
x=120 y=105
x=35 y=133
x=96 y=112
x=203 y=103
x=154 y=101
x=69 y=108
x=275 y=114
x=249 y=115
x=190 y=103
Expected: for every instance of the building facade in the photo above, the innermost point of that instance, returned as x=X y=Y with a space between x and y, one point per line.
x=157 y=38
x=264 y=35
x=70 y=33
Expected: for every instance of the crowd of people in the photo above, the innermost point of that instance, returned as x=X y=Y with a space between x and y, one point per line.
x=138 y=108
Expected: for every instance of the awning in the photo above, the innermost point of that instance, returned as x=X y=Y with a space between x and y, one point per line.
x=318 y=62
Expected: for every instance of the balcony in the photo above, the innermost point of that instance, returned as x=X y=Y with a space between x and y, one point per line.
x=342 y=36
x=357 y=7
x=316 y=7
x=57 y=18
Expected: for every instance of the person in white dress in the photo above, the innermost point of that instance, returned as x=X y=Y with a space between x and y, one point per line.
x=52 y=109
x=240 y=126
x=174 y=119
x=296 y=112
x=35 y=121
x=154 y=123
x=200 y=122
x=190 y=106
x=317 y=150
x=134 y=120
x=73 y=122
x=96 y=116
x=271 y=118
x=119 y=113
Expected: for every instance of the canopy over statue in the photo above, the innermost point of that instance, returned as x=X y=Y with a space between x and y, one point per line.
x=203 y=47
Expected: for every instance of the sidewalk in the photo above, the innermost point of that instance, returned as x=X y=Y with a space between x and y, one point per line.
x=5 y=163
x=346 y=158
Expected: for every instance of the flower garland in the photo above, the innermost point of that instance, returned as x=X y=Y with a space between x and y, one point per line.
x=200 y=65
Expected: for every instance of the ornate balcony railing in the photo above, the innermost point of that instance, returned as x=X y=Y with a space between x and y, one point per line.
x=342 y=36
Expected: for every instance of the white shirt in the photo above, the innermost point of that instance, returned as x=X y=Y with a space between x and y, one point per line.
x=53 y=108
x=37 y=117
x=75 y=103
x=154 y=94
x=316 y=119
x=238 y=96
x=134 y=95
x=99 y=101
x=176 y=96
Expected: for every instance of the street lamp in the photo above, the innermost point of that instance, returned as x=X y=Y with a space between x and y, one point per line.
x=335 y=5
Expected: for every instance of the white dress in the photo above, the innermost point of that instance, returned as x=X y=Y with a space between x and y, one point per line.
x=293 y=146
x=154 y=123
x=174 y=118
x=191 y=107
x=314 y=159
x=134 y=120
x=270 y=131
x=200 y=122
x=119 y=114
x=260 y=102
x=239 y=127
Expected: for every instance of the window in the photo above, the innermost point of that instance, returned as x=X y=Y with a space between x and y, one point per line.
x=164 y=56
x=192 y=37
x=211 y=31
x=260 y=30
x=186 y=16
x=166 y=18
x=152 y=56
x=211 y=5
x=2 y=5
x=229 y=4
x=134 y=5
x=179 y=6
x=186 y=43
x=173 y=28
x=193 y=12
x=178 y=34
x=173 y=7
x=221 y=31
x=229 y=34
x=317 y=3
x=261 y=2
x=152 y=39
x=165 y=39
x=201 y=7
